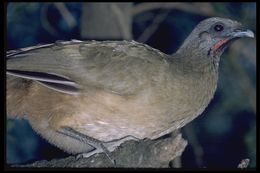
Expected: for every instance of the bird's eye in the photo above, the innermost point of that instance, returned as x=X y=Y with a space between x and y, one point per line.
x=218 y=28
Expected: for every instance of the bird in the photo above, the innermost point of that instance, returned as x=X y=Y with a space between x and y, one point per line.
x=91 y=96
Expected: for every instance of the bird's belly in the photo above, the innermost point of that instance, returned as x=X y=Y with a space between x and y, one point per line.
x=107 y=116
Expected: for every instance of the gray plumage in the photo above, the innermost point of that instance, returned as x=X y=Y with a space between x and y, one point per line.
x=112 y=89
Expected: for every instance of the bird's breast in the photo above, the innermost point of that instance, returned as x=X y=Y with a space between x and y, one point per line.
x=108 y=116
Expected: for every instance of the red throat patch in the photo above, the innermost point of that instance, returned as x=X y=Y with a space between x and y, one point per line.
x=219 y=44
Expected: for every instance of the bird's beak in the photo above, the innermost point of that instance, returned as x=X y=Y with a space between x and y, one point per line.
x=236 y=34
x=242 y=33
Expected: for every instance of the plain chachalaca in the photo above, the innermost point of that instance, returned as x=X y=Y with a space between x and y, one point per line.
x=97 y=94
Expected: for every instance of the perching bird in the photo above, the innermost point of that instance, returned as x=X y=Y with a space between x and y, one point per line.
x=89 y=95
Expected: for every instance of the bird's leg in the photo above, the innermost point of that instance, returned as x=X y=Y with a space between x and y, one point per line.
x=98 y=145
x=111 y=146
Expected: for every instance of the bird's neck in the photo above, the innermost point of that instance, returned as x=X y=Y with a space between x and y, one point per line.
x=195 y=62
x=198 y=55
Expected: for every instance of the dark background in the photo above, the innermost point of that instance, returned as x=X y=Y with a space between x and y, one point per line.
x=221 y=137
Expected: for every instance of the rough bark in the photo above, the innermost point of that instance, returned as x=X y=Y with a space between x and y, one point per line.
x=132 y=154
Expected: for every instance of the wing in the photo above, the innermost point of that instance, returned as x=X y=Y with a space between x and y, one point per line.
x=44 y=64
x=118 y=66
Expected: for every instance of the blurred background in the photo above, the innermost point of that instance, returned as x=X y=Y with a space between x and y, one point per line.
x=221 y=137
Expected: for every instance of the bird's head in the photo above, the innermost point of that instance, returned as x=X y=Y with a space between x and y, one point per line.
x=213 y=35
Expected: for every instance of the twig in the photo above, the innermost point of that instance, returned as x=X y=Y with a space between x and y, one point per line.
x=204 y=8
x=159 y=18
x=71 y=21
x=44 y=21
x=243 y=163
x=121 y=21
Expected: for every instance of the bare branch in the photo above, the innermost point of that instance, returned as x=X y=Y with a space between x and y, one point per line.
x=159 y=18
x=125 y=30
x=196 y=8
x=44 y=21
x=71 y=21
x=243 y=164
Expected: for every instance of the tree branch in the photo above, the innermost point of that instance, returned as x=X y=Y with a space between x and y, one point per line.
x=197 y=8
x=146 y=153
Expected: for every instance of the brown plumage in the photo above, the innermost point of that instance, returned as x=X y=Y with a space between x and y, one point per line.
x=113 y=89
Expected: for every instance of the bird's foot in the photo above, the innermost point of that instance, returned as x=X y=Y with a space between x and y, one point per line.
x=112 y=145
x=88 y=154
x=98 y=145
x=96 y=151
